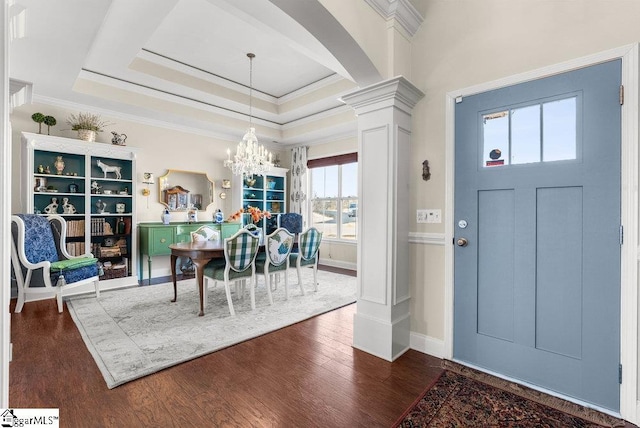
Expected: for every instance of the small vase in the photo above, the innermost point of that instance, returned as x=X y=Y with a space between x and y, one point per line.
x=59 y=164
x=87 y=135
x=166 y=217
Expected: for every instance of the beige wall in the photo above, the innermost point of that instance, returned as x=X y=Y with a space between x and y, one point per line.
x=466 y=42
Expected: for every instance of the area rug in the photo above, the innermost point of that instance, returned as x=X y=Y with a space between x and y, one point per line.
x=138 y=331
x=456 y=400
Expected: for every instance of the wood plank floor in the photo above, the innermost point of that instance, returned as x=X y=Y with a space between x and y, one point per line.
x=306 y=375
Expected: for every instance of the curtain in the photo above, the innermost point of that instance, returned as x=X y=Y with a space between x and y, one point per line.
x=298 y=185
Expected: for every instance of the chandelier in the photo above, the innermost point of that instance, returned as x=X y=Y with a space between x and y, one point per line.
x=251 y=158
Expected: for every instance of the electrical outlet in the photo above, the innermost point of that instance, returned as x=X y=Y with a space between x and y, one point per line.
x=429 y=216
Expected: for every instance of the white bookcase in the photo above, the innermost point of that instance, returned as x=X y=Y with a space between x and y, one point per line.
x=101 y=217
x=268 y=192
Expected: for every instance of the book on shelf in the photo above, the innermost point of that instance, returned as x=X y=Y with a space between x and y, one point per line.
x=100 y=227
x=75 y=248
x=75 y=228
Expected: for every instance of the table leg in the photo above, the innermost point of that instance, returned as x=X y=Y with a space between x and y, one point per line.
x=200 y=264
x=149 y=262
x=173 y=277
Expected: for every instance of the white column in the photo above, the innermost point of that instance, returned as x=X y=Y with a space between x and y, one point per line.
x=382 y=323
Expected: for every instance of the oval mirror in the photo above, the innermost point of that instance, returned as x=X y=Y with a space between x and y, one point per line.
x=179 y=190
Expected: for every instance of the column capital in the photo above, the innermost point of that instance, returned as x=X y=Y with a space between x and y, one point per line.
x=395 y=92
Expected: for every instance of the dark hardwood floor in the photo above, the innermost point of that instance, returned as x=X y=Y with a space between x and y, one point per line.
x=304 y=375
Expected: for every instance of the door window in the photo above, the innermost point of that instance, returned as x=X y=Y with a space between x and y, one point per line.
x=541 y=132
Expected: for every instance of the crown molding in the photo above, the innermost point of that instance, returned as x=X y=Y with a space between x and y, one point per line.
x=20 y=93
x=402 y=11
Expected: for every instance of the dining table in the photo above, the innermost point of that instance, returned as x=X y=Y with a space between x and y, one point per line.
x=200 y=253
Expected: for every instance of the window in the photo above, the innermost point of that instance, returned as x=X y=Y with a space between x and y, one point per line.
x=543 y=132
x=334 y=196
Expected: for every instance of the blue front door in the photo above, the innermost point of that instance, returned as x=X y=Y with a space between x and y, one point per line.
x=537 y=233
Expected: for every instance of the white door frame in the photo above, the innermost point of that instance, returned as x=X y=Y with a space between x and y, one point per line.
x=629 y=54
x=5 y=211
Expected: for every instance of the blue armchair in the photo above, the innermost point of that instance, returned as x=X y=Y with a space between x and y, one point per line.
x=40 y=260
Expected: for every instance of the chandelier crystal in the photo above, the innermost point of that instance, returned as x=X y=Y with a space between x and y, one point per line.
x=251 y=158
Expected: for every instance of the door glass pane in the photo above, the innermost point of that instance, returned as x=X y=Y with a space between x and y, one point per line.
x=496 y=139
x=559 y=134
x=525 y=134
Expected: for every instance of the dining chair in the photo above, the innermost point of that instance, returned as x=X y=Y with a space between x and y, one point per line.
x=240 y=252
x=278 y=247
x=202 y=234
x=308 y=254
x=40 y=259
x=205 y=233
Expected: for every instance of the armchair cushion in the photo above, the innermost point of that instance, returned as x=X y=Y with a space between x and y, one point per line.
x=73 y=263
x=39 y=244
x=76 y=274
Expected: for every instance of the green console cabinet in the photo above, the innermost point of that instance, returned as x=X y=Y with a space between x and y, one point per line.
x=155 y=238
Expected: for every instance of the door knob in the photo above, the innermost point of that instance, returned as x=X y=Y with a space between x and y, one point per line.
x=462 y=242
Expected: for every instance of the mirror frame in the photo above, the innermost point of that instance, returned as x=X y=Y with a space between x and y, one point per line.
x=162 y=186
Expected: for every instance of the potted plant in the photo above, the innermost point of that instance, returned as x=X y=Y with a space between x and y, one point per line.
x=87 y=124
x=38 y=118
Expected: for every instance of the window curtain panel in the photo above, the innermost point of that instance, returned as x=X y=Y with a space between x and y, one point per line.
x=298 y=171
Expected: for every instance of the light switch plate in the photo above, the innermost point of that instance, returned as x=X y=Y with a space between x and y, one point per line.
x=429 y=216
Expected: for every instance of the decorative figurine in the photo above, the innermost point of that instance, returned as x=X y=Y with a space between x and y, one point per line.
x=118 y=139
x=108 y=168
x=120 y=207
x=68 y=208
x=100 y=206
x=52 y=208
x=95 y=187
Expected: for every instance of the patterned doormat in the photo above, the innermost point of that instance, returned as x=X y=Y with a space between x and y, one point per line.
x=463 y=397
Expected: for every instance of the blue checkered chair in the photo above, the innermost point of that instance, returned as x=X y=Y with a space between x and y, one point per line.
x=240 y=252
x=39 y=259
x=278 y=247
x=308 y=254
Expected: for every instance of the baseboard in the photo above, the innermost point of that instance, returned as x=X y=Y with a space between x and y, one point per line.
x=338 y=264
x=426 y=345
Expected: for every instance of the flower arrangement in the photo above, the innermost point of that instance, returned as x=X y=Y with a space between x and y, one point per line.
x=88 y=121
x=256 y=214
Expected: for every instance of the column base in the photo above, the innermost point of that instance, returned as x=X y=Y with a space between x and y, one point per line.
x=384 y=339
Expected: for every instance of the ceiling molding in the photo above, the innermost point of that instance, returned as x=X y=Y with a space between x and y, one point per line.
x=402 y=11
x=20 y=93
x=69 y=105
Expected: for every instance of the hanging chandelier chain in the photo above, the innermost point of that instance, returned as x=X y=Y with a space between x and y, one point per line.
x=251 y=56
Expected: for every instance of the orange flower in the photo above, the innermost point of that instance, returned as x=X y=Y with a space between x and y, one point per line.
x=255 y=213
